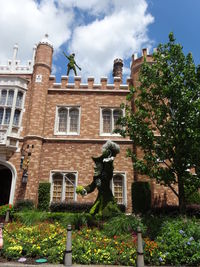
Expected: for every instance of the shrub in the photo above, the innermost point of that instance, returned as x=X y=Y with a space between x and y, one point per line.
x=179 y=242
x=44 y=196
x=141 y=197
x=76 y=207
x=123 y=224
x=70 y=207
x=30 y=217
x=5 y=208
x=24 y=204
x=194 y=198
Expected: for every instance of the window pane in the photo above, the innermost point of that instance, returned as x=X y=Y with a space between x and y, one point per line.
x=107 y=124
x=116 y=115
x=19 y=99
x=69 y=187
x=7 y=116
x=10 y=97
x=1 y=115
x=16 y=117
x=74 y=116
x=57 y=187
x=118 y=188
x=62 y=120
x=3 y=97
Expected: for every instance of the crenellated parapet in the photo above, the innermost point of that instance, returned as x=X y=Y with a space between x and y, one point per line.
x=137 y=61
x=14 y=66
x=90 y=85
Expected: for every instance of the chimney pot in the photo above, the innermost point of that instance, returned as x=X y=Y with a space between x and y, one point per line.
x=117 y=68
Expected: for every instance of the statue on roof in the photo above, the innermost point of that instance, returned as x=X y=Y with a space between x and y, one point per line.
x=72 y=63
x=105 y=204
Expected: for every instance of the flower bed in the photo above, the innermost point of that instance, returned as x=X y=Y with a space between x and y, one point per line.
x=177 y=242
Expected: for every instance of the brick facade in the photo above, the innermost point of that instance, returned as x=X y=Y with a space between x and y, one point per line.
x=51 y=152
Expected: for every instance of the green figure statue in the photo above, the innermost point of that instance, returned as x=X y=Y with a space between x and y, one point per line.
x=105 y=204
x=71 y=64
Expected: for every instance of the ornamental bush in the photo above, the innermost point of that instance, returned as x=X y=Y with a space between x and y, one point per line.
x=179 y=242
x=24 y=204
x=44 y=196
x=141 y=197
x=5 y=208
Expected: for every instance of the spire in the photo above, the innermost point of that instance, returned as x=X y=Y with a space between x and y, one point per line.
x=15 y=50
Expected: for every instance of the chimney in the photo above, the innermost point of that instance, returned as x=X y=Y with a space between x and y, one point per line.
x=117 y=68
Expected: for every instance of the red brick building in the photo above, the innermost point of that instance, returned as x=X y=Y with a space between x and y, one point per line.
x=49 y=131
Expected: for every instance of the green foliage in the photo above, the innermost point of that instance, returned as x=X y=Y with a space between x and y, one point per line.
x=194 y=198
x=44 y=196
x=176 y=241
x=141 y=197
x=24 y=204
x=123 y=224
x=167 y=104
x=5 y=208
x=94 y=247
x=30 y=217
x=179 y=242
x=70 y=207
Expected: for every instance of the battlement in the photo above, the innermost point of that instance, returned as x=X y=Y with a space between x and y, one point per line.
x=90 y=85
x=14 y=66
x=137 y=61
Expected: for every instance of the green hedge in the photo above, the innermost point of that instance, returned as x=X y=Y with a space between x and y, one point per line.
x=24 y=204
x=43 y=196
x=141 y=197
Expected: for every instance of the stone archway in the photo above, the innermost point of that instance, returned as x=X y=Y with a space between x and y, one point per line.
x=5 y=184
x=8 y=177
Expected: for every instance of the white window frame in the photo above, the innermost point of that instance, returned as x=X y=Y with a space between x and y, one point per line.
x=124 y=184
x=112 y=122
x=63 y=173
x=68 y=108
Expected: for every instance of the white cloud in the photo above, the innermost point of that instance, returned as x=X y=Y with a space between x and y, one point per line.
x=118 y=34
x=97 y=31
x=25 y=22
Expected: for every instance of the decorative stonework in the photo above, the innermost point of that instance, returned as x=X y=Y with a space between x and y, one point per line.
x=14 y=66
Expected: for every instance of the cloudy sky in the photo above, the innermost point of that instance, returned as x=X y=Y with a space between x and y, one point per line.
x=97 y=31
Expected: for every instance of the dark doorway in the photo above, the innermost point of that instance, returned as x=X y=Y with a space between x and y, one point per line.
x=5 y=184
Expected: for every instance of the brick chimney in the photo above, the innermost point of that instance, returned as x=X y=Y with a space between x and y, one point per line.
x=117 y=68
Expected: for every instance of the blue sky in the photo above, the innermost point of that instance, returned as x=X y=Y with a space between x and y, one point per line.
x=97 y=31
x=182 y=17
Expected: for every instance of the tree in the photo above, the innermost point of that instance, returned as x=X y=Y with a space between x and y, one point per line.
x=165 y=121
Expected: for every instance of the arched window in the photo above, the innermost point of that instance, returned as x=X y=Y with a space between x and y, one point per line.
x=3 y=97
x=117 y=113
x=67 y=119
x=7 y=116
x=69 y=186
x=57 y=187
x=74 y=119
x=16 y=117
x=107 y=121
x=118 y=188
x=19 y=99
x=10 y=98
x=62 y=120
x=63 y=186
x=1 y=115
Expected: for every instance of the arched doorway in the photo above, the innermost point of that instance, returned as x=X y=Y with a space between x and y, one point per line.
x=5 y=184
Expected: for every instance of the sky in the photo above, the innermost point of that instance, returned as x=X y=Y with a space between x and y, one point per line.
x=97 y=31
